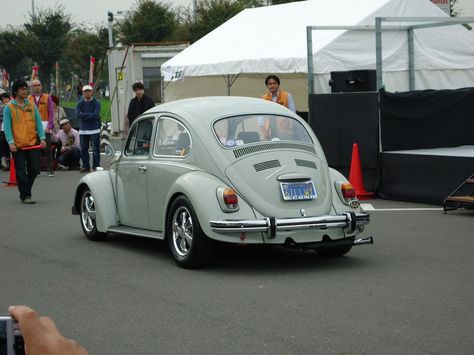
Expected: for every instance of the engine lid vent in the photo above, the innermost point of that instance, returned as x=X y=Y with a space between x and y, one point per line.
x=306 y=163
x=267 y=165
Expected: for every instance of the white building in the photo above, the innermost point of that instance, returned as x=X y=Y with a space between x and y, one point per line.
x=138 y=62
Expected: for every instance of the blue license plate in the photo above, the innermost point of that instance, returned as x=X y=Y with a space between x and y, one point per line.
x=298 y=190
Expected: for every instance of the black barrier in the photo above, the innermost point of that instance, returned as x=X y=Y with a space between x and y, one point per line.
x=339 y=120
x=427 y=119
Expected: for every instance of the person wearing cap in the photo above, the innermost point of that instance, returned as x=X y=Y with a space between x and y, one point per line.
x=87 y=110
x=45 y=106
x=70 y=146
x=22 y=125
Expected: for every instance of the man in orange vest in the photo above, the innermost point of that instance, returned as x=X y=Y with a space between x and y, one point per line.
x=272 y=82
x=45 y=106
x=22 y=126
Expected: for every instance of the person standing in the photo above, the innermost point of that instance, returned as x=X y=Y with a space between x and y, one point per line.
x=88 y=110
x=22 y=124
x=45 y=106
x=272 y=82
x=139 y=104
x=4 y=147
x=70 y=148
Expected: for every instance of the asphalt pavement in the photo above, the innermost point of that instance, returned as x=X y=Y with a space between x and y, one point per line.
x=410 y=293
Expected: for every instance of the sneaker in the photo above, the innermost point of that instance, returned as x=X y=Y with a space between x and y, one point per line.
x=63 y=167
x=84 y=170
x=28 y=201
x=50 y=174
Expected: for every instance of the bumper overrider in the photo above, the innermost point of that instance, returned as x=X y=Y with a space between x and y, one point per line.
x=272 y=225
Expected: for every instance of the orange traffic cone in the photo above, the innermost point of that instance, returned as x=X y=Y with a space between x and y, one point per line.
x=355 y=175
x=12 y=180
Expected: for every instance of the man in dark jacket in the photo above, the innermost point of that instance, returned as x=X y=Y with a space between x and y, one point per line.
x=88 y=110
x=139 y=104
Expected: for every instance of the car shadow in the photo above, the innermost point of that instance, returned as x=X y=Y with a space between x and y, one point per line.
x=230 y=258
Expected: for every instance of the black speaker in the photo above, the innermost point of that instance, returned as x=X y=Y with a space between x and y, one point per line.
x=353 y=81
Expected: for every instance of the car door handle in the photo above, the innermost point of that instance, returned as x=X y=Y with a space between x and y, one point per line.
x=142 y=168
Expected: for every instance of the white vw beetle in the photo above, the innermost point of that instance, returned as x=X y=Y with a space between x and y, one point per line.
x=228 y=169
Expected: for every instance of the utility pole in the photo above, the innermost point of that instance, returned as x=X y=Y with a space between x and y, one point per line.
x=33 y=8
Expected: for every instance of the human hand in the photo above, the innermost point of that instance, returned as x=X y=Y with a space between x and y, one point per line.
x=63 y=149
x=47 y=130
x=43 y=143
x=41 y=335
x=13 y=148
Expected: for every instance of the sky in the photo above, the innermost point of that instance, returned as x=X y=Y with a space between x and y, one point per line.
x=14 y=12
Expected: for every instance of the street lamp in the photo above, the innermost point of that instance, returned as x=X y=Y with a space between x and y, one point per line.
x=110 y=17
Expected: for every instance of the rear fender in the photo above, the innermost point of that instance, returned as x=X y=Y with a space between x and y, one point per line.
x=201 y=190
x=338 y=204
x=100 y=184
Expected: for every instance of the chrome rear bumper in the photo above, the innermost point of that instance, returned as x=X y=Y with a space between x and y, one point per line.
x=272 y=225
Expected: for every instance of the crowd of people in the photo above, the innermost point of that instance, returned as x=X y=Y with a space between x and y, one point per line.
x=35 y=124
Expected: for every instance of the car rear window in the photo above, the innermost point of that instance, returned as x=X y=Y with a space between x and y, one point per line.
x=248 y=129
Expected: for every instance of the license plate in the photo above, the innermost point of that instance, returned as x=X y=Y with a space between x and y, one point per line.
x=298 y=190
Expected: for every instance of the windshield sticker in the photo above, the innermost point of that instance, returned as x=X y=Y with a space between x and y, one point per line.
x=230 y=143
x=239 y=142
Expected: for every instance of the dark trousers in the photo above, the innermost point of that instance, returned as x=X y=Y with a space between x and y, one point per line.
x=94 y=140
x=4 y=146
x=70 y=157
x=27 y=167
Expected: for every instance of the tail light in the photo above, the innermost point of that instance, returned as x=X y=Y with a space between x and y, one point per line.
x=228 y=199
x=348 y=191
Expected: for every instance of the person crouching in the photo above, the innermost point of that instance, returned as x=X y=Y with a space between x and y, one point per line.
x=70 y=146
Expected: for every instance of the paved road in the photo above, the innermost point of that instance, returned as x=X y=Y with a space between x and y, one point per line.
x=410 y=293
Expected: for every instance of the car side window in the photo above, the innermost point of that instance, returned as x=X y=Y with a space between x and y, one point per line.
x=139 y=141
x=173 y=138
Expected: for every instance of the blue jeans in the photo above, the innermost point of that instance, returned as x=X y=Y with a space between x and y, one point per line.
x=70 y=157
x=27 y=166
x=94 y=140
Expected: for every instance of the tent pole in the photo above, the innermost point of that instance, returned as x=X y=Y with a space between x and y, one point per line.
x=411 y=58
x=378 y=51
x=309 y=47
x=229 y=81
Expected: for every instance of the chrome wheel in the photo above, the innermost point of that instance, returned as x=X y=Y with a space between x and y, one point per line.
x=88 y=212
x=182 y=232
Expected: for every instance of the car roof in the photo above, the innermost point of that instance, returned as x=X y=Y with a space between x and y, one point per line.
x=208 y=108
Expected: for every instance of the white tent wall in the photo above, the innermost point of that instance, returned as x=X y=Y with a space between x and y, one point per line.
x=245 y=45
x=252 y=85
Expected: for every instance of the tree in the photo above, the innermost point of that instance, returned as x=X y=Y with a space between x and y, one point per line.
x=13 y=45
x=210 y=14
x=47 y=39
x=81 y=46
x=148 y=21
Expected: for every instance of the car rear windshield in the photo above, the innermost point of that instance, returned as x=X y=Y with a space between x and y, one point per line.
x=241 y=130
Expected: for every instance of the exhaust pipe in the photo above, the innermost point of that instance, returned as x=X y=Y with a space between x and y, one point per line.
x=362 y=241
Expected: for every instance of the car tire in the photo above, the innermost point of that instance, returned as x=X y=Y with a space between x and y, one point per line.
x=87 y=215
x=189 y=246
x=333 y=252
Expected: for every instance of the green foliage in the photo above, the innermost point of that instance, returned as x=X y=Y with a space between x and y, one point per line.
x=210 y=14
x=47 y=39
x=13 y=45
x=148 y=21
x=82 y=45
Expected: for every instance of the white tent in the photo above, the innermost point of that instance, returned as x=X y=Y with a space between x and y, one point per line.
x=237 y=56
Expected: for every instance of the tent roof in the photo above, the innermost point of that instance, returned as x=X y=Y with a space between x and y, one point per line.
x=272 y=39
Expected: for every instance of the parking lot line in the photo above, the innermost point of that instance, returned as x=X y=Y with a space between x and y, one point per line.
x=370 y=207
